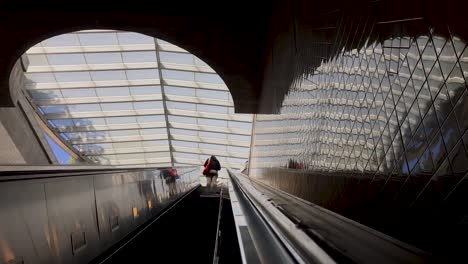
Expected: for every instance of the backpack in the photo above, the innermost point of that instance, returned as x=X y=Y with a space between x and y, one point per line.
x=207 y=168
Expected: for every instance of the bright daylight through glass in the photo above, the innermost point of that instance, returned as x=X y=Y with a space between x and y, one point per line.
x=123 y=98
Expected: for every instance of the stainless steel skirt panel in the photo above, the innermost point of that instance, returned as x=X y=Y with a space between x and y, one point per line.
x=74 y=219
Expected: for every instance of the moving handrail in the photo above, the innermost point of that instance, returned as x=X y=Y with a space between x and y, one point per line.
x=320 y=235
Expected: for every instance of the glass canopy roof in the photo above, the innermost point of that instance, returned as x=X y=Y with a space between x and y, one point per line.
x=123 y=98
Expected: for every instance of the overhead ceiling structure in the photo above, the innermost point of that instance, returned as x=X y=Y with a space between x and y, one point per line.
x=124 y=98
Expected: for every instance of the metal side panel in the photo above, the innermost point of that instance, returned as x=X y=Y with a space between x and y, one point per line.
x=24 y=229
x=113 y=209
x=135 y=198
x=72 y=219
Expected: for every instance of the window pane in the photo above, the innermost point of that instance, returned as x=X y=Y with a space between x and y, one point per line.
x=179 y=58
x=89 y=121
x=212 y=109
x=142 y=74
x=121 y=120
x=142 y=90
x=84 y=108
x=113 y=91
x=208 y=78
x=108 y=75
x=54 y=109
x=41 y=77
x=183 y=132
x=178 y=75
x=66 y=59
x=181 y=106
x=103 y=58
x=61 y=40
x=72 y=77
x=117 y=107
x=182 y=119
x=139 y=56
x=212 y=122
x=76 y=93
x=96 y=39
x=37 y=60
x=148 y=105
x=151 y=119
x=127 y=38
x=45 y=94
x=179 y=91
x=212 y=94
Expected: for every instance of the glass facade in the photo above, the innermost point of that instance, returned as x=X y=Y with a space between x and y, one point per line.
x=123 y=98
x=377 y=133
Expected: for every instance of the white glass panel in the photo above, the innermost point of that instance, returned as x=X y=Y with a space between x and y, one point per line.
x=121 y=120
x=208 y=78
x=121 y=145
x=238 y=149
x=113 y=91
x=84 y=108
x=62 y=123
x=45 y=94
x=212 y=94
x=212 y=122
x=182 y=119
x=108 y=75
x=37 y=60
x=239 y=137
x=199 y=62
x=124 y=133
x=89 y=121
x=151 y=143
x=183 y=132
x=187 y=156
x=66 y=59
x=184 y=144
x=142 y=90
x=151 y=119
x=212 y=135
x=139 y=56
x=41 y=77
x=103 y=58
x=76 y=93
x=163 y=42
x=148 y=105
x=234 y=124
x=72 y=76
x=153 y=131
x=128 y=38
x=117 y=107
x=236 y=160
x=181 y=106
x=130 y=156
x=61 y=41
x=97 y=39
x=179 y=58
x=142 y=74
x=213 y=146
x=172 y=90
x=54 y=109
x=178 y=75
x=212 y=109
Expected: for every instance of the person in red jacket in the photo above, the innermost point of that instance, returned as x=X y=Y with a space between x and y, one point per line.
x=212 y=166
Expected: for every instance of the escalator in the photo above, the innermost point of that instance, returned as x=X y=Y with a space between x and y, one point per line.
x=185 y=233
